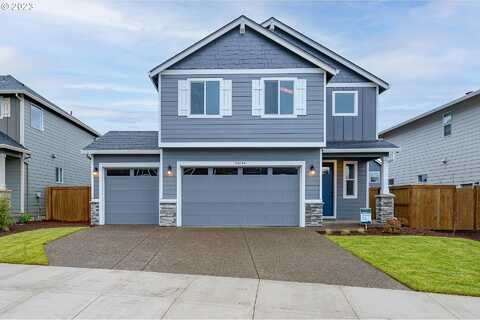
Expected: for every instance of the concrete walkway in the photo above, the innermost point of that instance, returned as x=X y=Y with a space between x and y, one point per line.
x=62 y=292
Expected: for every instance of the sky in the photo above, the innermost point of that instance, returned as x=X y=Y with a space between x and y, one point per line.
x=93 y=57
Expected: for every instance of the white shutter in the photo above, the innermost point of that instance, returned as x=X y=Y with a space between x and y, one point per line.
x=2 y=106
x=183 y=98
x=257 y=98
x=300 y=99
x=226 y=97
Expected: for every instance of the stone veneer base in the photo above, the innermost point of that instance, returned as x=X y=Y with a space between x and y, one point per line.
x=314 y=214
x=168 y=214
x=384 y=207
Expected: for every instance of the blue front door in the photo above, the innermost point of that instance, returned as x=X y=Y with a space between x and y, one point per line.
x=327 y=189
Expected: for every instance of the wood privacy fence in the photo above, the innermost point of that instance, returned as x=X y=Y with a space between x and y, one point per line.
x=69 y=204
x=437 y=207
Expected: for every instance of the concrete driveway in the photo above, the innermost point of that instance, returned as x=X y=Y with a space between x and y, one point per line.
x=271 y=254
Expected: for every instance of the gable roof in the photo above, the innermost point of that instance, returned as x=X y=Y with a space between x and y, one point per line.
x=10 y=85
x=312 y=43
x=124 y=140
x=466 y=97
x=241 y=21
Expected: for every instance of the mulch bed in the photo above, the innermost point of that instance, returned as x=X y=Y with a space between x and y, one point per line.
x=406 y=231
x=33 y=225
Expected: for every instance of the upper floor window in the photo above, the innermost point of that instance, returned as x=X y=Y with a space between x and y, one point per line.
x=447 y=124
x=4 y=107
x=350 y=177
x=279 y=97
x=345 y=103
x=36 y=117
x=422 y=178
x=374 y=177
x=209 y=98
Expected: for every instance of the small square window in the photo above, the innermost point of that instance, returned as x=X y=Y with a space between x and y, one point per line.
x=391 y=182
x=422 y=178
x=374 y=177
x=225 y=171
x=145 y=172
x=195 y=171
x=118 y=172
x=36 y=117
x=59 y=175
x=350 y=177
x=284 y=171
x=447 y=124
x=255 y=171
x=345 y=103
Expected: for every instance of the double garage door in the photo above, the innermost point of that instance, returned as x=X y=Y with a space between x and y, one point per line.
x=217 y=196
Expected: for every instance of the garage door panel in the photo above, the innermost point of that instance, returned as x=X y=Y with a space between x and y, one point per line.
x=238 y=200
x=131 y=200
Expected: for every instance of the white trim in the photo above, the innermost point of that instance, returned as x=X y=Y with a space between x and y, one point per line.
x=92 y=178
x=241 y=164
x=159 y=108
x=320 y=176
x=242 y=145
x=352 y=85
x=101 y=178
x=22 y=120
x=168 y=200
x=160 y=176
x=32 y=106
x=128 y=151
x=377 y=94
x=54 y=108
x=9 y=147
x=355 y=105
x=355 y=180
x=3 y=171
x=278 y=115
x=326 y=51
x=272 y=36
x=240 y=71
x=362 y=150
x=325 y=109
x=22 y=184
x=367 y=188
x=334 y=188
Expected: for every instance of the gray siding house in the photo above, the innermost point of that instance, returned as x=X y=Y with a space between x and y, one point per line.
x=40 y=146
x=441 y=146
x=259 y=125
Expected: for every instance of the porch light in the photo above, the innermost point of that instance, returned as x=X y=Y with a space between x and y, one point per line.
x=95 y=172
x=169 y=172
x=312 y=171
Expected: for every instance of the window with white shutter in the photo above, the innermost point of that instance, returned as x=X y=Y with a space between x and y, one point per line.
x=4 y=107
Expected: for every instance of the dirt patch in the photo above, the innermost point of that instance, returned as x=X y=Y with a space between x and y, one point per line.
x=16 y=228
x=406 y=231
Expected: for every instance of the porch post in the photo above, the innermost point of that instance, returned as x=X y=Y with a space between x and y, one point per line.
x=3 y=186
x=385 y=200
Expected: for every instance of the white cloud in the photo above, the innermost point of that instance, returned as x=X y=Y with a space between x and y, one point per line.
x=107 y=87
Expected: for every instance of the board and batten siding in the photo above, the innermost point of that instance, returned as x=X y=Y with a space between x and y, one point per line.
x=310 y=156
x=11 y=125
x=362 y=127
x=423 y=148
x=250 y=50
x=120 y=158
x=349 y=209
x=241 y=126
x=62 y=139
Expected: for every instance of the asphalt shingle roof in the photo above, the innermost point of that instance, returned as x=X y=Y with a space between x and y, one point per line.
x=126 y=140
x=378 y=144
x=4 y=139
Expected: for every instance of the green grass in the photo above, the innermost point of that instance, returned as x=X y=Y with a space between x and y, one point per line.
x=432 y=264
x=28 y=247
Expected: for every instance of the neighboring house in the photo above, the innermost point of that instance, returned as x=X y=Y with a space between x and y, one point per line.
x=40 y=146
x=259 y=126
x=374 y=173
x=441 y=146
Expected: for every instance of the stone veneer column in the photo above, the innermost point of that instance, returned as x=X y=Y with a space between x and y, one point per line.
x=168 y=214
x=384 y=207
x=314 y=214
x=94 y=212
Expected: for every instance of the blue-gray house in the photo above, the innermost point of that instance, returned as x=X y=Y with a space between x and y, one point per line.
x=259 y=125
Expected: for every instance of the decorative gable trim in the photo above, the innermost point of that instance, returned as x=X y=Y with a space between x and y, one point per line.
x=274 y=22
x=242 y=20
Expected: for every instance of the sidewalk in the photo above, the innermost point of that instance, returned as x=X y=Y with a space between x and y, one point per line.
x=61 y=292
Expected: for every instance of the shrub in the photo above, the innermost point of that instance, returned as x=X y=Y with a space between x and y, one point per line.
x=392 y=226
x=25 y=218
x=6 y=220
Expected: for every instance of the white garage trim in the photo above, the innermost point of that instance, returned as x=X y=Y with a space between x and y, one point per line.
x=101 y=180
x=241 y=164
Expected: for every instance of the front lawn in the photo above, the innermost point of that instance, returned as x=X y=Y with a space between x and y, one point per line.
x=433 y=264
x=28 y=247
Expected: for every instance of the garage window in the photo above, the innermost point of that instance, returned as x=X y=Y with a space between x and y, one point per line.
x=284 y=171
x=195 y=171
x=145 y=172
x=118 y=172
x=255 y=171
x=225 y=171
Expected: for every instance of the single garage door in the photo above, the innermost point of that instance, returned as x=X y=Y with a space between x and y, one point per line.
x=131 y=196
x=240 y=196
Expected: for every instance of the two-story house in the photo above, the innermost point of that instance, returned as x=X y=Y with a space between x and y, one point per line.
x=40 y=146
x=259 y=126
x=440 y=146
